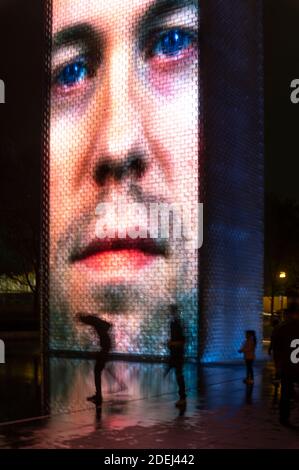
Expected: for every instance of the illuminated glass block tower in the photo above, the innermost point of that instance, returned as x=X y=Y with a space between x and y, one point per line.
x=232 y=256
x=126 y=105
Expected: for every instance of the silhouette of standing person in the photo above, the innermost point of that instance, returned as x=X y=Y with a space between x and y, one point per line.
x=286 y=353
x=248 y=349
x=176 y=346
x=102 y=329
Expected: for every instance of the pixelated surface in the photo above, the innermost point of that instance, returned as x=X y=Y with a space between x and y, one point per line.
x=124 y=130
x=125 y=122
x=232 y=258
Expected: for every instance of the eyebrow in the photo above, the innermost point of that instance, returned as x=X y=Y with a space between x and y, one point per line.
x=85 y=34
x=81 y=33
x=163 y=8
x=155 y=17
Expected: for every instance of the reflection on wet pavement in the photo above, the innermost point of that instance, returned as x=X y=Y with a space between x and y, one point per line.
x=20 y=388
x=221 y=411
x=72 y=380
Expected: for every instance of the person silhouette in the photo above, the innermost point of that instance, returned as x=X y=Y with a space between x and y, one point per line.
x=287 y=360
x=176 y=346
x=248 y=349
x=102 y=329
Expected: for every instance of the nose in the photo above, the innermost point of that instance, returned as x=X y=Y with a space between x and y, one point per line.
x=121 y=150
x=133 y=166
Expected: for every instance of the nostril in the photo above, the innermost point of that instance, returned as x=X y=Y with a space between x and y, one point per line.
x=102 y=172
x=119 y=172
x=138 y=166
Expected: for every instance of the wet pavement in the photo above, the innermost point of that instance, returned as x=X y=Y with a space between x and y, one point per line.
x=138 y=409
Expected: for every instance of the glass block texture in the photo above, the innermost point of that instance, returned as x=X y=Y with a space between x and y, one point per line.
x=232 y=254
x=124 y=133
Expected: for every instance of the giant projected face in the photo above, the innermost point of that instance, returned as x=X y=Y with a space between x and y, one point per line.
x=123 y=155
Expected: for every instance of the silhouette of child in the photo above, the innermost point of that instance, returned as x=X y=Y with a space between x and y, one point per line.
x=248 y=349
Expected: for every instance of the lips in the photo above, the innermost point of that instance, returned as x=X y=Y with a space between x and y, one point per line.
x=113 y=254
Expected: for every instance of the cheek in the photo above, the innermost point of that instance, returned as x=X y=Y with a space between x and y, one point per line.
x=66 y=153
x=176 y=116
x=69 y=143
x=175 y=125
x=168 y=77
x=66 y=140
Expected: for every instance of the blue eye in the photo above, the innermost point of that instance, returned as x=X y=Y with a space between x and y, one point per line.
x=73 y=73
x=172 y=42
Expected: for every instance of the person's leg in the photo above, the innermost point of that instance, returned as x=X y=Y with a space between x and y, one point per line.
x=180 y=380
x=276 y=380
x=171 y=364
x=110 y=369
x=251 y=374
x=99 y=366
x=247 y=362
x=167 y=369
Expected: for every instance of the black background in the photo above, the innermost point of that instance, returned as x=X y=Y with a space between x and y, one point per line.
x=281 y=116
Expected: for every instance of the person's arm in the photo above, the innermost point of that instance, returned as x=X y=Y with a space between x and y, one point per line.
x=270 y=349
x=278 y=346
x=87 y=319
x=177 y=343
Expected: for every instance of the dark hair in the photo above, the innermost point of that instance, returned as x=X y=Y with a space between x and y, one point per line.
x=292 y=308
x=173 y=309
x=252 y=333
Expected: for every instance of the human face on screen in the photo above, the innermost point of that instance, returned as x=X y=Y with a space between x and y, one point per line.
x=124 y=130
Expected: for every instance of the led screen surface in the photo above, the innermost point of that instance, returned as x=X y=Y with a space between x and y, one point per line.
x=124 y=172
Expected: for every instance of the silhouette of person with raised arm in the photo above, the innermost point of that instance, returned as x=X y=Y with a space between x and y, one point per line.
x=102 y=329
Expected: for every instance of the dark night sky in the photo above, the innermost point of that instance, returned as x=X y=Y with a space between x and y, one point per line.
x=20 y=61
x=281 y=116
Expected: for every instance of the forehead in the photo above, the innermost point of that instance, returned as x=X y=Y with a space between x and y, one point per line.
x=110 y=13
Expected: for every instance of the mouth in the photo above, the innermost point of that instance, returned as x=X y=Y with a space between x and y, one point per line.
x=110 y=254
